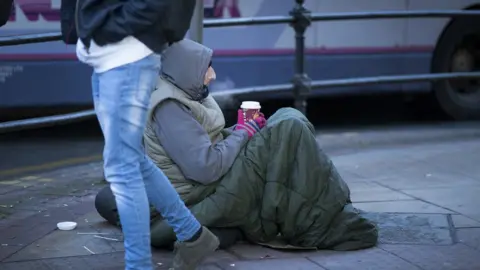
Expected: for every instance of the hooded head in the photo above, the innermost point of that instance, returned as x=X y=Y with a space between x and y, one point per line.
x=185 y=64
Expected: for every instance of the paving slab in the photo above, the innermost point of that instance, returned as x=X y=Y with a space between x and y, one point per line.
x=6 y=188
x=369 y=166
x=108 y=261
x=98 y=227
x=460 y=221
x=13 y=215
x=363 y=191
x=455 y=257
x=255 y=252
x=469 y=237
x=371 y=259
x=350 y=176
x=462 y=200
x=415 y=161
x=221 y=257
x=22 y=233
x=63 y=244
x=418 y=229
x=398 y=136
x=412 y=206
x=112 y=261
x=7 y=250
x=425 y=178
x=278 y=264
x=93 y=234
x=463 y=162
x=37 y=265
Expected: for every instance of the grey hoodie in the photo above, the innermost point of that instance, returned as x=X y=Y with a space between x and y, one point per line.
x=182 y=137
x=184 y=64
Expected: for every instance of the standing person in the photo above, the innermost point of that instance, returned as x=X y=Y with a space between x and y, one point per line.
x=121 y=40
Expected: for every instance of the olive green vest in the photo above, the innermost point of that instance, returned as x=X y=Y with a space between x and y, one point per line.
x=207 y=113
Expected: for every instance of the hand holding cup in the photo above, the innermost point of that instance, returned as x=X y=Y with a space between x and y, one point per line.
x=250 y=118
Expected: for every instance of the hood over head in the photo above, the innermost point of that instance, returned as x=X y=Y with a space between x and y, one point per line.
x=185 y=64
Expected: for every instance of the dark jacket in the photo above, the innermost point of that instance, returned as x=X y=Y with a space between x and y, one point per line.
x=110 y=21
x=5 y=10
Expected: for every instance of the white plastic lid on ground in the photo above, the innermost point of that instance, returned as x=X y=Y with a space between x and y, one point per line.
x=66 y=225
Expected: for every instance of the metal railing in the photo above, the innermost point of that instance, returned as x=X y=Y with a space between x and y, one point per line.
x=299 y=19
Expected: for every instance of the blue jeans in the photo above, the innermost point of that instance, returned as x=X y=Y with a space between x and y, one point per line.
x=121 y=98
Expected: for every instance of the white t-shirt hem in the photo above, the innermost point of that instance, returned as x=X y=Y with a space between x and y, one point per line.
x=104 y=58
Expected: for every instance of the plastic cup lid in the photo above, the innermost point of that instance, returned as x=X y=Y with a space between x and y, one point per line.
x=250 y=105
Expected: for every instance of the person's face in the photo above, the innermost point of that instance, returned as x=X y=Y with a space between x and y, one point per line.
x=209 y=76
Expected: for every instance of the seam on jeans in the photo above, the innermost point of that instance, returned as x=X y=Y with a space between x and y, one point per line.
x=132 y=69
x=140 y=70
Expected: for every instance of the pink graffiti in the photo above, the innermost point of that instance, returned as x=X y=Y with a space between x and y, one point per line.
x=231 y=5
x=33 y=9
x=36 y=9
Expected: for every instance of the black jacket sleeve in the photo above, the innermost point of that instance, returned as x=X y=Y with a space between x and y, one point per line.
x=5 y=11
x=134 y=16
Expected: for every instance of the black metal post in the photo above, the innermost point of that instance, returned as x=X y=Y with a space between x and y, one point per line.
x=301 y=81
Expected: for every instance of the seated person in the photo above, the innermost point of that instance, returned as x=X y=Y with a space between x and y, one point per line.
x=269 y=180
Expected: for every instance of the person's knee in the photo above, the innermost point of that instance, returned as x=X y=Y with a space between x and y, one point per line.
x=289 y=112
x=293 y=123
x=123 y=176
x=147 y=167
x=294 y=119
x=106 y=206
x=123 y=157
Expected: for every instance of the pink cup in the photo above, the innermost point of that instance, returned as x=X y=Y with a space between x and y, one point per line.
x=251 y=110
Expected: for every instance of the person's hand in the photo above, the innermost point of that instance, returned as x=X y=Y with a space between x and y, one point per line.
x=252 y=126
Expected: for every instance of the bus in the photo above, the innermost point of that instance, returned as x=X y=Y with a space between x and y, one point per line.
x=48 y=74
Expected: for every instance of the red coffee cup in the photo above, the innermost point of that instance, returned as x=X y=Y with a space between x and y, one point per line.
x=251 y=110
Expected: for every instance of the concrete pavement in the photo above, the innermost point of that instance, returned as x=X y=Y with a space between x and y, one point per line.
x=422 y=191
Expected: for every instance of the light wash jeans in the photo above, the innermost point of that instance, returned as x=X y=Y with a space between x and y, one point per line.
x=121 y=98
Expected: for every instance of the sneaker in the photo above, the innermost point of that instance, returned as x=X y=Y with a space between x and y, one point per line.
x=189 y=255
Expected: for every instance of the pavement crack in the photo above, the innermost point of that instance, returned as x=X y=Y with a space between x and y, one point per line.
x=26 y=245
x=403 y=259
x=452 y=230
x=316 y=263
x=415 y=197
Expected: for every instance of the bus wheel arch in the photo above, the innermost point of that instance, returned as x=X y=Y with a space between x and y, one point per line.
x=457 y=51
